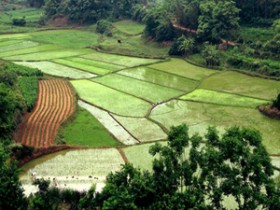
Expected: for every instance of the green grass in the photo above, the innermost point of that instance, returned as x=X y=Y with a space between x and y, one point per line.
x=49 y=55
x=180 y=67
x=36 y=49
x=160 y=78
x=131 y=45
x=57 y=70
x=111 y=100
x=10 y=42
x=17 y=46
x=8 y=37
x=151 y=92
x=234 y=82
x=129 y=27
x=67 y=38
x=209 y=96
x=201 y=115
x=108 y=66
x=85 y=130
x=85 y=67
x=144 y=130
x=119 y=60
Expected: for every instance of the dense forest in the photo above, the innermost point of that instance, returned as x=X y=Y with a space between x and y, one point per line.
x=191 y=171
x=209 y=32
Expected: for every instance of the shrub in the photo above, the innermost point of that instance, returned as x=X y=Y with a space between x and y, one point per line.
x=29 y=90
x=182 y=46
x=19 y=21
x=22 y=70
x=21 y=151
x=210 y=54
x=104 y=27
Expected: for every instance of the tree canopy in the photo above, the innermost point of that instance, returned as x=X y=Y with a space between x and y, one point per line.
x=190 y=174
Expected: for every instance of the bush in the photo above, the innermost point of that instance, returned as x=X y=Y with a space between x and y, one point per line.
x=7 y=77
x=261 y=22
x=19 y=21
x=22 y=70
x=104 y=27
x=21 y=151
x=210 y=54
x=29 y=90
x=276 y=102
x=182 y=46
x=138 y=12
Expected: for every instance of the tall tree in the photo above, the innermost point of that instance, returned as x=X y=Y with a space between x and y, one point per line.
x=218 y=19
x=11 y=192
x=235 y=164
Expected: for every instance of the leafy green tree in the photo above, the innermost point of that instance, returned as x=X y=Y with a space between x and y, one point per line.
x=10 y=106
x=54 y=7
x=11 y=192
x=159 y=25
x=218 y=19
x=104 y=27
x=36 y=3
x=235 y=164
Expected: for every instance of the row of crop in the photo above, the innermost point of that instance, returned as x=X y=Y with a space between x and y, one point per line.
x=55 y=104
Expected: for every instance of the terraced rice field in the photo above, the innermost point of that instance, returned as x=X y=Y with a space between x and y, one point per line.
x=57 y=70
x=76 y=169
x=215 y=97
x=119 y=59
x=111 y=100
x=55 y=104
x=136 y=100
x=144 y=90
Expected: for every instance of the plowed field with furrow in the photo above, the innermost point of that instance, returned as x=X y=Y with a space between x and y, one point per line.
x=55 y=104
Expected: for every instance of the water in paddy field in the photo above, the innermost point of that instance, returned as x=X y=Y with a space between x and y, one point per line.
x=74 y=169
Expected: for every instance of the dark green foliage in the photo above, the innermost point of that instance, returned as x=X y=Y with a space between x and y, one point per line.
x=276 y=102
x=182 y=46
x=218 y=19
x=54 y=8
x=235 y=164
x=159 y=26
x=11 y=193
x=29 y=89
x=36 y=3
x=7 y=77
x=258 y=11
x=210 y=54
x=10 y=106
x=138 y=12
x=21 y=151
x=19 y=21
x=15 y=93
x=104 y=27
x=22 y=70
x=51 y=197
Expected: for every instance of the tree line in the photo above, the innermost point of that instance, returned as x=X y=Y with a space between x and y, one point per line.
x=191 y=172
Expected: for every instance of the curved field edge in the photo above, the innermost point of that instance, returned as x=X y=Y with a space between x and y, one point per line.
x=55 y=105
x=83 y=129
x=117 y=130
